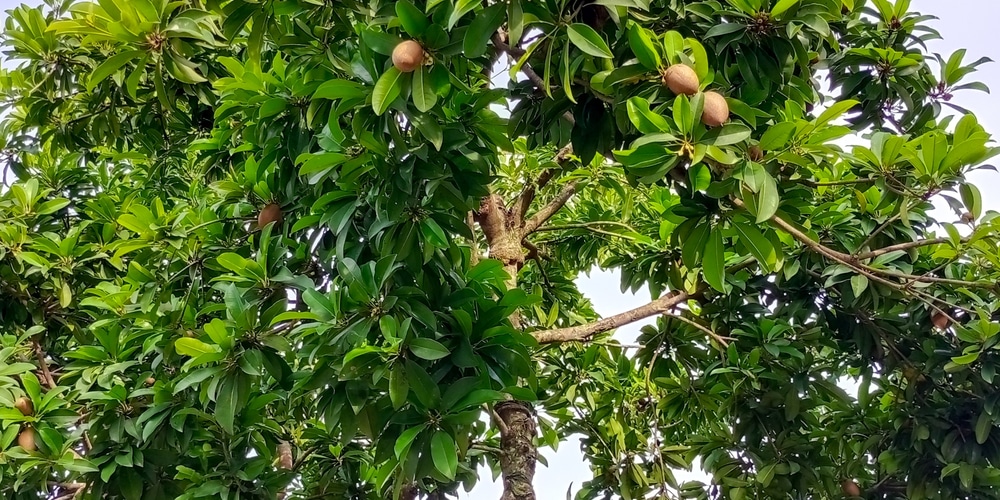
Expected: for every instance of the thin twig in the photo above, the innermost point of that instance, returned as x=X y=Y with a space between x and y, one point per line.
x=40 y=356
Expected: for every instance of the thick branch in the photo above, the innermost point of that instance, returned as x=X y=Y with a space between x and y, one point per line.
x=584 y=332
x=528 y=194
x=546 y=212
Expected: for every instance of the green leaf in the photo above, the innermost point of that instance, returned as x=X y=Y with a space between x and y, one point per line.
x=424 y=97
x=834 y=112
x=462 y=7
x=405 y=440
x=782 y=6
x=339 y=89
x=758 y=245
x=645 y=120
x=972 y=199
x=643 y=47
x=766 y=474
x=387 y=89
x=726 y=135
x=714 y=263
x=226 y=404
x=588 y=40
x=193 y=347
x=445 y=454
x=272 y=107
x=983 y=426
x=777 y=136
x=482 y=28
x=411 y=18
x=399 y=386
x=110 y=66
x=965 y=359
x=428 y=349
x=859 y=283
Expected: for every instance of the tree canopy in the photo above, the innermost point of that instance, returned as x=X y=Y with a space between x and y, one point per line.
x=328 y=249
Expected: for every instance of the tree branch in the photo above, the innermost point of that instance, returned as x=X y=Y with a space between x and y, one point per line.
x=539 y=83
x=904 y=246
x=527 y=195
x=585 y=332
x=546 y=212
x=40 y=356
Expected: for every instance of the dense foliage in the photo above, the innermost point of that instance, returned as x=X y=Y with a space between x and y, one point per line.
x=247 y=251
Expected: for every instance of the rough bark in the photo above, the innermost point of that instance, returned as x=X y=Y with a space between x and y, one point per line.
x=518 y=455
x=502 y=228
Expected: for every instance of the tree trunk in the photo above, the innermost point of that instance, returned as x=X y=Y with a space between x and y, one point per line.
x=517 y=450
x=518 y=455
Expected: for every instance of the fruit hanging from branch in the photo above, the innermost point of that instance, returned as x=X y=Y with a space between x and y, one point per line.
x=408 y=56
x=26 y=439
x=716 y=110
x=681 y=79
x=940 y=320
x=23 y=404
x=270 y=213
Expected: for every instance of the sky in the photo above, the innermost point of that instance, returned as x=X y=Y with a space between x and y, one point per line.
x=963 y=24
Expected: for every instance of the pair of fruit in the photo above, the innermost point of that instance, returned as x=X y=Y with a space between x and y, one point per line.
x=26 y=438
x=681 y=79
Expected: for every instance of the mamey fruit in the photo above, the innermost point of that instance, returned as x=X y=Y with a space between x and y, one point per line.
x=850 y=488
x=24 y=405
x=940 y=320
x=681 y=79
x=407 y=56
x=150 y=381
x=755 y=153
x=270 y=213
x=26 y=439
x=968 y=218
x=716 y=111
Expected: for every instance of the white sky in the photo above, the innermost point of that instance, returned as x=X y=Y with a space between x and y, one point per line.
x=963 y=24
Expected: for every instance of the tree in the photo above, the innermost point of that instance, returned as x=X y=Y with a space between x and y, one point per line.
x=269 y=250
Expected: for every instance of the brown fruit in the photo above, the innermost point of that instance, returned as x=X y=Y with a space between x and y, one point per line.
x=270 y=213
x=26 y=439
x=23 y=404
x=150 y=381
x=968 y=218
x=716 y=111
x=940 y=320
x=850 y=488
x=407 y=56
x=755 y=153
x=681 y=79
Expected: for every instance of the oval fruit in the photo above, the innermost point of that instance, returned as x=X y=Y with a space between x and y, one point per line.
x=407 y=56
x=850 y=488
x=26 y=439
x=716 y=111
x=755 y=153
x=681 y=79
x=270 y=213
x=23 y=404
x=940 y=320
x=150 y=381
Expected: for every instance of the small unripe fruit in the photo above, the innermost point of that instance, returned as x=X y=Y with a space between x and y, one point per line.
x=24 y=405
x=755 y=153
x=150 y=381
x=407 y=56
x=681 y=79
x=190 y=334
x=270 y=213
x=26 y=439
x=716 y=110
x=940 y=320
x=850 y=488
x=968 y=218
